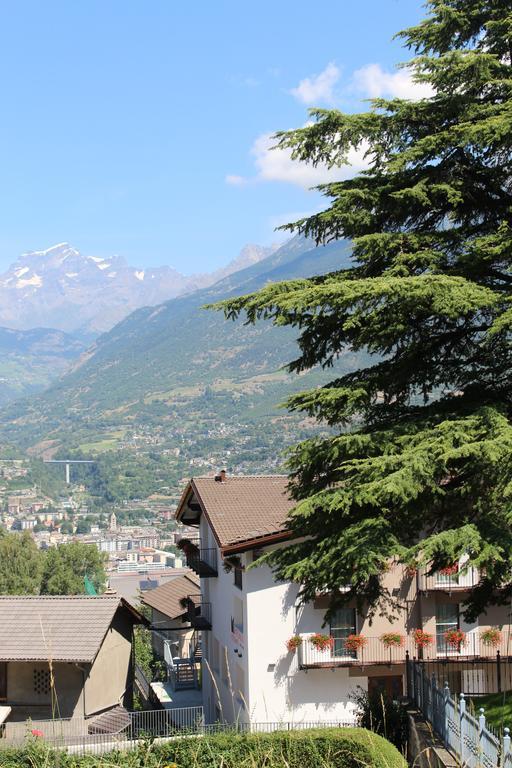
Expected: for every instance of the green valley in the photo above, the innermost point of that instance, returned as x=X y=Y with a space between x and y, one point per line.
x=178 y=389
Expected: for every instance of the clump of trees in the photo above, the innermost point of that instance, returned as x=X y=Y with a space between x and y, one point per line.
x=61 y=570
x=419 y=465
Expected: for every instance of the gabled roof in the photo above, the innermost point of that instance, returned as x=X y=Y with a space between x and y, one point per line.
x=240 y=510
x=60 y=628
x=166 y=598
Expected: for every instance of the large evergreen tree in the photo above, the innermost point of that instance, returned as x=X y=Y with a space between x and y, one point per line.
x=419 y=465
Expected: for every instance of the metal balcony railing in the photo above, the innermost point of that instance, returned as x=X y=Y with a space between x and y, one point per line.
x=342 y=653
x=202 y=560
x=374 y=651
x=461 y=580
x=199 y=613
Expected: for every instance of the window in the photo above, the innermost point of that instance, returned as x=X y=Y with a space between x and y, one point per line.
x=447 y=617
x=238 y=615
x=41 y=679
x=343 y=624
x=238 y=578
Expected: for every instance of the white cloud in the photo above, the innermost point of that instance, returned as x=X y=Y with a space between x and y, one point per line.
x=371 y=81
x=318 y=88
x=277 y=165
x=374 y=82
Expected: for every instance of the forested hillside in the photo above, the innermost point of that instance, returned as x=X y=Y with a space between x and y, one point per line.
x=177 y=377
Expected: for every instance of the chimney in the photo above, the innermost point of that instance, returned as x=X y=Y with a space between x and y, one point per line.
x=221 y=477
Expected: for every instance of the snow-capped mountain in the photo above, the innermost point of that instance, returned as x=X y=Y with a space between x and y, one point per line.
x=64 y=289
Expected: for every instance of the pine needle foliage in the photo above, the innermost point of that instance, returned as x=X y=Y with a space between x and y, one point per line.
x=419 y=469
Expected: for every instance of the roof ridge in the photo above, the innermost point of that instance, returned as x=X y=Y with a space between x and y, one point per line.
x=59 y=597
x=239 y=477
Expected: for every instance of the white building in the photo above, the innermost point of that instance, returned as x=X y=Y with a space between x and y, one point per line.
x=248 y=673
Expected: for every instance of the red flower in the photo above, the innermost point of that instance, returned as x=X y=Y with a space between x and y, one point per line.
x=392 y=640
x=293 y=643
x=450 y=570
x=455 y=638
x=355 y=642
x=422 y=639
x=321 y=642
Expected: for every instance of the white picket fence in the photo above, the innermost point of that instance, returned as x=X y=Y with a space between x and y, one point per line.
x=467 y=736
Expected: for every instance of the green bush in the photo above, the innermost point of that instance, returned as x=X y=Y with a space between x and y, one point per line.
x=318 y=748
x=381 y=714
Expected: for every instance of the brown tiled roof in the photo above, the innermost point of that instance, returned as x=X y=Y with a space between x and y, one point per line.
x=244 y=508
x=166 y=598
x=68 y=628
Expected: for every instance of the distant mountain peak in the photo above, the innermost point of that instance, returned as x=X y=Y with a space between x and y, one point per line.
x=59 y=287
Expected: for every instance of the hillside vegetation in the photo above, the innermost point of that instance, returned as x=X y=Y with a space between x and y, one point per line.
x=179 y=376
x=31 y=360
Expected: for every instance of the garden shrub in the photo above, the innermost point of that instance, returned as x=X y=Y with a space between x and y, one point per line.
x=383 y=715
x=321 y=748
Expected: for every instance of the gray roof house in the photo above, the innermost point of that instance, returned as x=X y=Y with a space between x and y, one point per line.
x=65 y=657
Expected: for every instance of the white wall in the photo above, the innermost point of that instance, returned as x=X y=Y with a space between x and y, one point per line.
x=277 y=688
x=273 y=687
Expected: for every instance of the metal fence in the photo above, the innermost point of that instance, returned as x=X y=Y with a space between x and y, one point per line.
x=79 y=736
x=477 y=676
x=466 y=735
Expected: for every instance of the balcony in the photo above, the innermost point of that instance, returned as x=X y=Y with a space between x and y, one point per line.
x=449 y=582
x=202 y=560
x=198 y=613
x=474 y=646
x=374 y=651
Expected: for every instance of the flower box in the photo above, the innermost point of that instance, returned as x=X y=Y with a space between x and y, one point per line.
x=455 y=638
x=190 y=548
x=321 y=642
x=422 y=639
x=293 y=643
x=355 y=643
x=392 y=640
x=491 y=637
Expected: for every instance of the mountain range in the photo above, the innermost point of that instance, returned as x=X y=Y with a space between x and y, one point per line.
x=31 y=360
x=180 y=372
x=86 y=295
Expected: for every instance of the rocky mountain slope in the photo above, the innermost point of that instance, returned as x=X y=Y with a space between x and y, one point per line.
x=61 y=288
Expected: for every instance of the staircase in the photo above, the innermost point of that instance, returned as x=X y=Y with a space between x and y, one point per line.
x=197 y=651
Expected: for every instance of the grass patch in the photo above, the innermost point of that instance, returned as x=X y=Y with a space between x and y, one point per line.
x=498 y=708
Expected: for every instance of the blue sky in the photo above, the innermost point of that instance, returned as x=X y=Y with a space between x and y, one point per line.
x=141 y=128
